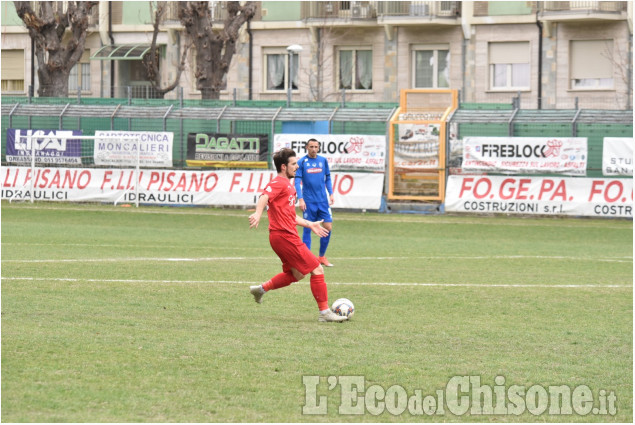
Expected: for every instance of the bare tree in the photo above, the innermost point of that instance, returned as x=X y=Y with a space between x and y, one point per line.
x=56 y=52
x=151 y=60
x=619 y=59
x=323 y=67
x=214 y=48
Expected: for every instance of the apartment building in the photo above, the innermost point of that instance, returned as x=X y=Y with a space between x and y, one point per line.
x=550 y=55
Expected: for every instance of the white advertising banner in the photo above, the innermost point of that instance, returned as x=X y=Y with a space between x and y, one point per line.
x=540 y=196
x=523 y=155
x=153 y=149
x=417 y=147
x=617 y=156
x=172 y=187
x=342 y=151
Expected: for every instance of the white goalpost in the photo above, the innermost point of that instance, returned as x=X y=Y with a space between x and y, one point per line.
x=33 y=143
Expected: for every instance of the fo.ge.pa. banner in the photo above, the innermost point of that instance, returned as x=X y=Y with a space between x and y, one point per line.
x=342 y=151
x=617 y=156
x=47 y=146
x=540 y=196
x=525 y=155
x=227 y=150
x=129 y=148
x=172 y=187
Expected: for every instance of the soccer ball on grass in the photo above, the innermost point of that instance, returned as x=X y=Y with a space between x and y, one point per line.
x=343 y=307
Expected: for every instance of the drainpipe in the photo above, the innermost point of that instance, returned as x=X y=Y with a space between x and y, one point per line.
x=112 y=41
x=629 y=74
x=32 y=86
x=251 y=50
x=539 y=93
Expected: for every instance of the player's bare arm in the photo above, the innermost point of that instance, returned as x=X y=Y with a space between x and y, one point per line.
x=313 y=225
x=254 y=219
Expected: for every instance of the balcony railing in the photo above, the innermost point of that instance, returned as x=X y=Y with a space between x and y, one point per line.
x=373 y=9
x=585 y=6
x=217 y=9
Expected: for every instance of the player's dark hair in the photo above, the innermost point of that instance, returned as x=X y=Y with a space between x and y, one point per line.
x=312 y=140
x=281 y=158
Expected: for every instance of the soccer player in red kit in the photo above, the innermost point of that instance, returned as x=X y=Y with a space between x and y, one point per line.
x=279 y=197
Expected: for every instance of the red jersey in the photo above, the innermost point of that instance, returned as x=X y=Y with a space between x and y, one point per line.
x=281 y=205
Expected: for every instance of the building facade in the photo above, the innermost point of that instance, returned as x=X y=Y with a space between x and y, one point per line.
x=550 y=55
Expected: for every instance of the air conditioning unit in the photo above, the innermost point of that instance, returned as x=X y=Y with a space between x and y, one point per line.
x=419 y=10
x=448 y=8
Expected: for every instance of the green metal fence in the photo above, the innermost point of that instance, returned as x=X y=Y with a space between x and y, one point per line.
x=262 y=117
x=592 y=124
x=183 y=117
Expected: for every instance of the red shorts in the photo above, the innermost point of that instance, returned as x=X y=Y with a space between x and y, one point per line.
x=293 y=252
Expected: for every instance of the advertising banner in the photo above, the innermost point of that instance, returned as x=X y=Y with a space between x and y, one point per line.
x=126 y=148
x=172 y=187
x=526 y=155
x=617 y=156
x=51 y=146
x=353 y=152
x=417 y=147
x=227 y=150
x=540 y=196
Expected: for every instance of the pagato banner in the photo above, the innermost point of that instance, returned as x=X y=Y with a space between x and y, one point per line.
x=342 y=151
x=540 y=196
x=417 y=147
x=218 y=150
x=617 y=156
x=526 y=155
x=172 y=187
x=49 y=146
x=127 y=148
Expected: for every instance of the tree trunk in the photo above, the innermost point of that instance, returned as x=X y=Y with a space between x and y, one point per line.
x=57 y=52
x=214 y=49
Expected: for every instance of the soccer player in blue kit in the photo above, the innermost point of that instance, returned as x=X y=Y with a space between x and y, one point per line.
x=312 y=182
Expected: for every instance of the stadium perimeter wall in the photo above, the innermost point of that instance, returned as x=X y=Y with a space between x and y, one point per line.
x=595 y=125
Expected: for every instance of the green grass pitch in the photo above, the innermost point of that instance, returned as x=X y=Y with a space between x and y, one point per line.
x=114 y=314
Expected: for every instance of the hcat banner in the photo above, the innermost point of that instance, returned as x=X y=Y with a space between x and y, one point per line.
x=49 y=146
x=172 y=187
x=617 y=156
x=540 y=196
x=523 y=155
x=342 y=151
x=127 y=148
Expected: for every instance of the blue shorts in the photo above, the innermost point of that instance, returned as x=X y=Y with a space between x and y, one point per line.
x=319 y=211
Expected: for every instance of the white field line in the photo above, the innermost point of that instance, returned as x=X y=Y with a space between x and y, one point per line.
x=207 y=259
x=237 y=282
x=148 y=246
x=388 y=218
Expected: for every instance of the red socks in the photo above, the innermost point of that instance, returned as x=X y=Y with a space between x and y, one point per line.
x=320 y=293
x=318 y=287
x=279 y=281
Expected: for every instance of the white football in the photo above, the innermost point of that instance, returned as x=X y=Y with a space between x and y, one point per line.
x=343 y=307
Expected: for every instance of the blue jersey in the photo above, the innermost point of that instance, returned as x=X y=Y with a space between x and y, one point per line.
x=315 y=175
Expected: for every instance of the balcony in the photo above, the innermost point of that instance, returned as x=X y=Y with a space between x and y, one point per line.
x=380 y=10
x=218 y=12
x=583 y=10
